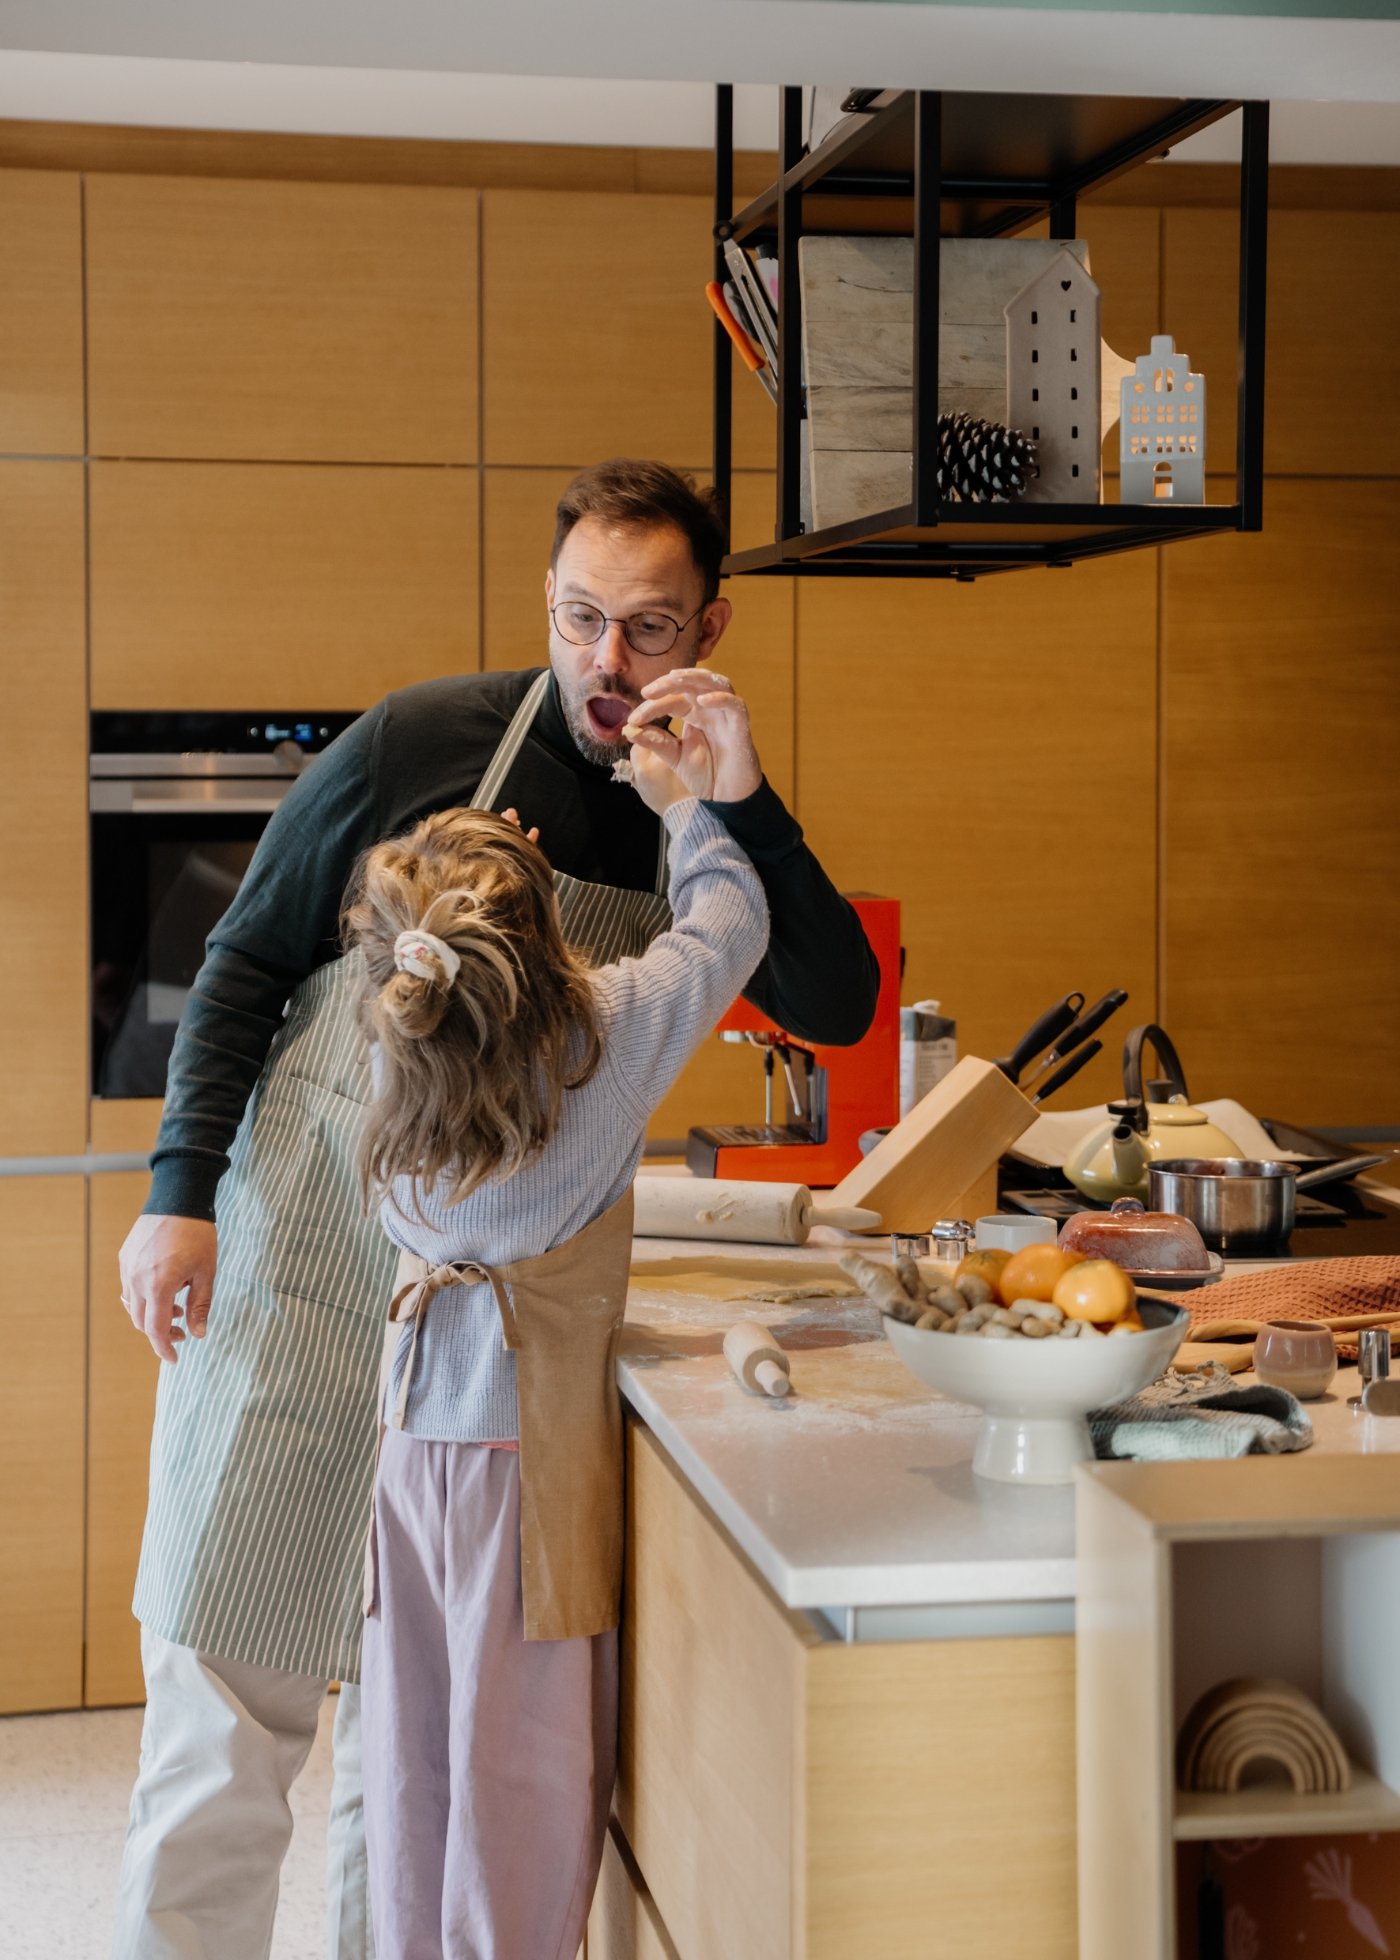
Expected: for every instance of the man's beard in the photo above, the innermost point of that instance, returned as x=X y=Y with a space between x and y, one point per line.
x=605 y=754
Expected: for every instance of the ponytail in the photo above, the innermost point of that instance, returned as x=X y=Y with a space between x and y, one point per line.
x=481 y=1013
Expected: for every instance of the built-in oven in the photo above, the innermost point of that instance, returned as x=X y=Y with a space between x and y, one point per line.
x=177 y=804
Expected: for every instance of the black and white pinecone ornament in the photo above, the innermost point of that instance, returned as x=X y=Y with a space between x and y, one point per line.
x=981 y=462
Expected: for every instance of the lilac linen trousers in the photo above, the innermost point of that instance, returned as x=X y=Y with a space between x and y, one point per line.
x=488 y=1758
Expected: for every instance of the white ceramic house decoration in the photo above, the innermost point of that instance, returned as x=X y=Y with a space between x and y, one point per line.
x=1162 y=429
x=1052 y=380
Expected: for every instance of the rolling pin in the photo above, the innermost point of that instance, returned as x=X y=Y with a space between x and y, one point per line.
x=725 y=1208
x=756 y=1359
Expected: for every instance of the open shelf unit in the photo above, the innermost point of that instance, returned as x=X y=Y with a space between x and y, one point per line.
x=932 y=165
x=1192 y=1573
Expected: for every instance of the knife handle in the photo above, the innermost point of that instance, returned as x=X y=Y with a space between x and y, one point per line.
x=1089 y=1022
x=1071 y=1068
x=1040 y=1034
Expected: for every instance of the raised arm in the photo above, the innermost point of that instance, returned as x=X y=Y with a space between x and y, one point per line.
x=659 y=1008
x=820 y=978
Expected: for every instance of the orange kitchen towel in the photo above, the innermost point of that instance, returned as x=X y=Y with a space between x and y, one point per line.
x=1346 y=1294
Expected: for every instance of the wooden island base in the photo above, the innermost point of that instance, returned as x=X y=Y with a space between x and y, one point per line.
x=786 y=1795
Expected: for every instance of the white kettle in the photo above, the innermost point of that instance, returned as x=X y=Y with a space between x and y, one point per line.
x=1112 y=1161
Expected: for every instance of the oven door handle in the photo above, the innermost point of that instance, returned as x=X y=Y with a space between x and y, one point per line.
x=203 y=806
x=245 y=799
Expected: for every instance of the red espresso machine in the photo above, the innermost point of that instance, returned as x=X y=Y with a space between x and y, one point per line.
x=833 y=1094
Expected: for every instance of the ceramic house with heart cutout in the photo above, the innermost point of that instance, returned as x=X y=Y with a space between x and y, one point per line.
x=1162 y=428
x=1052 y=380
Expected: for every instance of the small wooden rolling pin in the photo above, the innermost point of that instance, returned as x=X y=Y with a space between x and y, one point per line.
x=757 y=1359
x=725 y=1208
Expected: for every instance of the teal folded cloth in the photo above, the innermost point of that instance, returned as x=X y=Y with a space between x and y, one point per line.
x=1203 y=1414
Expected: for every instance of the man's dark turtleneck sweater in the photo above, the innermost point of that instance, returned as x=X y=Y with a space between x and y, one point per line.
x=425 y=749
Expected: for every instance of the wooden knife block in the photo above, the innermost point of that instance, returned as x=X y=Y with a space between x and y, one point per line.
x=942 y=1149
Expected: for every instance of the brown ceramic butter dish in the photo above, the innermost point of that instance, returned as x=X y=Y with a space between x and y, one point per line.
x=1140 y=1241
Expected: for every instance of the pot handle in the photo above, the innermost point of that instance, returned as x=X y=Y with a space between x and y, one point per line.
x=1166 y=1055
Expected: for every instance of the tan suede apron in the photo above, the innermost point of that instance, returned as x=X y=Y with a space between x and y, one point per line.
x=561 y=1316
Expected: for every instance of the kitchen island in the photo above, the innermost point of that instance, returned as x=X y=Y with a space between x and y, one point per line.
x=848 y=1663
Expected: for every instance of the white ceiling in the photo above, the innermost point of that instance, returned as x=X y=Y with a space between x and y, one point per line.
x=639 y=74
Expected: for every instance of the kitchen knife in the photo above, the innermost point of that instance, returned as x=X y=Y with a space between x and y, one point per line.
x=1071 y=1068
x=1089 y=1022
x=1051 y=1025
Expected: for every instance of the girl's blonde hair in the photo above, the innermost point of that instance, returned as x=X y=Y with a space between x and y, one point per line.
x=473 y=1066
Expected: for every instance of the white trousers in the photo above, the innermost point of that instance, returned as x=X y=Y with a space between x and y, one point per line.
x=221 y=1746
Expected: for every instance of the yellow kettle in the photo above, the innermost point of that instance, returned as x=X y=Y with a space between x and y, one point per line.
x=1111 y=1162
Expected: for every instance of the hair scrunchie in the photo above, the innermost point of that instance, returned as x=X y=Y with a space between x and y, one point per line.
x=414 y=950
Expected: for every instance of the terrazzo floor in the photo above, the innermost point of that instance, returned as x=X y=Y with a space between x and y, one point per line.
x=64 y=1785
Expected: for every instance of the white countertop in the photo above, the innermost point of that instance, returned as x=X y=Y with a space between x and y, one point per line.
x=857 y=1492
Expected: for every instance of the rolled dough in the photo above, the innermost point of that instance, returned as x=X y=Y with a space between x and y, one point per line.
x=715 y=1276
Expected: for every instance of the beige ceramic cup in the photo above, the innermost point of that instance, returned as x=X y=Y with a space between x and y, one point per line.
x=1297 y=1355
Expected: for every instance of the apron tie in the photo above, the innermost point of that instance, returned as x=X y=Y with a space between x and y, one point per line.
x=411 y=1303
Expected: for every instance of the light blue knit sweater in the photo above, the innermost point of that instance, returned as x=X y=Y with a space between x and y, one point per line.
x=654 y=1012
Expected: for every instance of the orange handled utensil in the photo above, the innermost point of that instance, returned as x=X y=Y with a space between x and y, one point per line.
x=751 y=357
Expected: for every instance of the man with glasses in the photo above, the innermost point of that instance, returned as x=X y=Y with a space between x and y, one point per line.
x=249 y=1593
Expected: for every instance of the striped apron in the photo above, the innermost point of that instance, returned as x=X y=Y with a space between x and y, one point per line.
x=262 y=1458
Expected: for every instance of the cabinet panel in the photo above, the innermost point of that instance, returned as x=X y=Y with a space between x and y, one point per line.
x=245 y=585
x=721 y=1083
x=43 y=811
x=597 y=336
x=42 y=1302
x=122 y=1375
x=987 y=754
x=1334 y=291
x=711 y=1746
x=41 y=313
x=1281 y=725
x=784 y=1793
x=331 y=322
x=624 y=1923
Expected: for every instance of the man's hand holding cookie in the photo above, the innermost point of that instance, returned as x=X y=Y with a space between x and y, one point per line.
x=713 y=754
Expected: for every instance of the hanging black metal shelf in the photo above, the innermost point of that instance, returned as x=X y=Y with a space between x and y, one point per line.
x=930 y=165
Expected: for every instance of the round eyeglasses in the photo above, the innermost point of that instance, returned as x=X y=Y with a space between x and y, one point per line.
x=645 y=632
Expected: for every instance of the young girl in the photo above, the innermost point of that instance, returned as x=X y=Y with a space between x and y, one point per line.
x=513 y=1089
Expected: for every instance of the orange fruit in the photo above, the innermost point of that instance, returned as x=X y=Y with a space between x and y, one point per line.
x=986 y=1264
x=1034 y=1272
x=1097 y=1290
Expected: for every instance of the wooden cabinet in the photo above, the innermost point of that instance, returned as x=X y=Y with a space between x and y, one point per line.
x=41 y=313
x=1281 y=721
x=596 y=334
x=1334 y=290
x=286 y=321
x=42 y=1311
x=987 y=754
x=783 y=1793
x=43 y=810
x=244 y=585
x=122 y=1375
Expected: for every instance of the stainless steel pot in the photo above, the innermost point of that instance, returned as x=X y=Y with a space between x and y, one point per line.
x=1241 y=1206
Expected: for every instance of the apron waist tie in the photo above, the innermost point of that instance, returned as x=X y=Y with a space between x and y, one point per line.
x=411 y=1303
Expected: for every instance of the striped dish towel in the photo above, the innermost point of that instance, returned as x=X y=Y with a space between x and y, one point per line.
x=1203 y=1414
